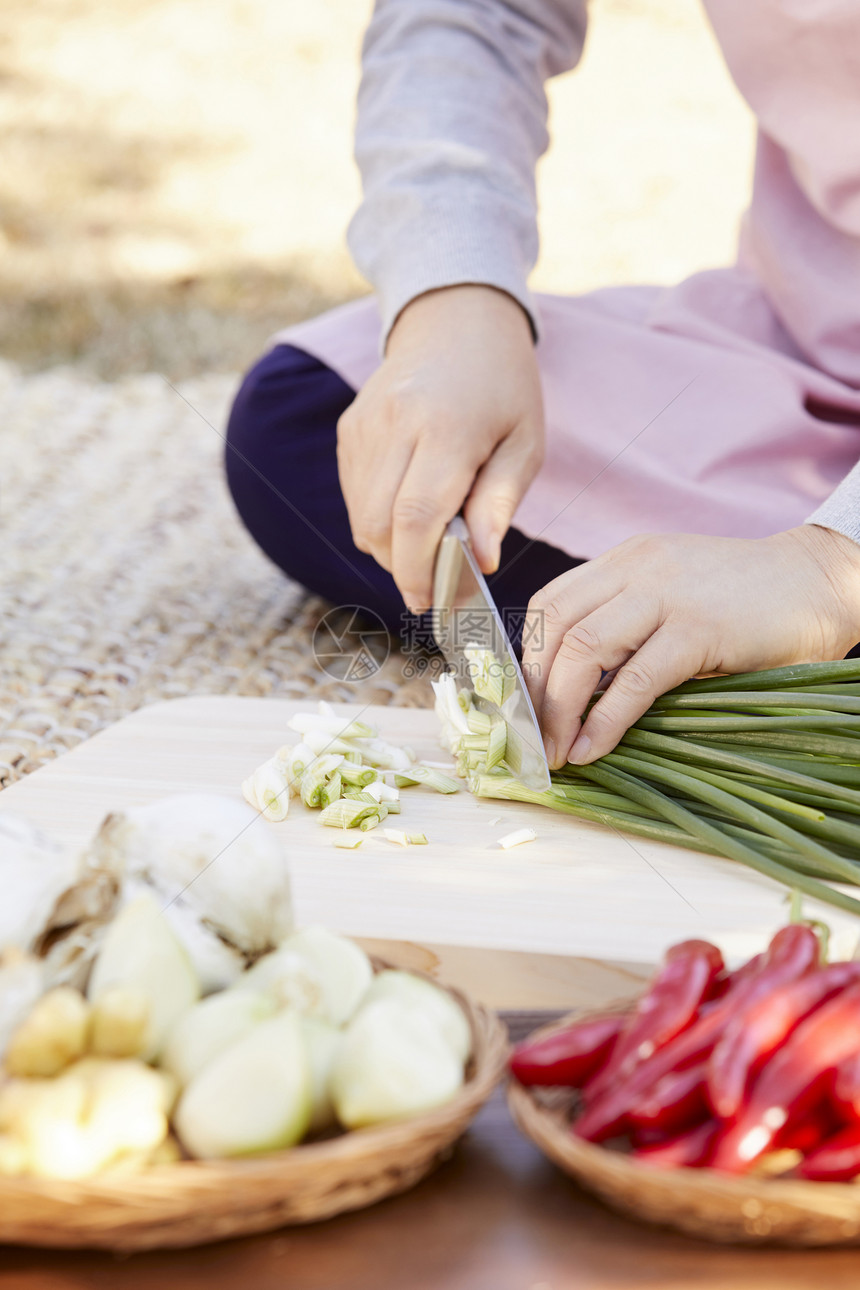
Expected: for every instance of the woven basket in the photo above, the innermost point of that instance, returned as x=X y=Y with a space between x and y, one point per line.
x=193 y=1202
x=701 y=1202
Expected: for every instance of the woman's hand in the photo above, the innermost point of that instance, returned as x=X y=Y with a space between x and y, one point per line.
x=664 y=608
x=454 y=414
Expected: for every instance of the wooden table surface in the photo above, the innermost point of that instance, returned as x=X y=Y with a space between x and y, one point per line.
x=496 y=1216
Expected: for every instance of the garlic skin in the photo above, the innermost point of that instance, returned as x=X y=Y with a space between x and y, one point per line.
x=392 y=1063
x=253 y=1097
x=140 y=950
x=219 y=873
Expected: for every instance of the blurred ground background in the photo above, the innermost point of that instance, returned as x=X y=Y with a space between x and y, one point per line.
x=177 y=176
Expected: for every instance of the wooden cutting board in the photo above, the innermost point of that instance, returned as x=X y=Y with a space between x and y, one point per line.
x=578 y=916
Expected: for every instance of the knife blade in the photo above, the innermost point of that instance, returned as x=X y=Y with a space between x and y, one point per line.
x=466 y=620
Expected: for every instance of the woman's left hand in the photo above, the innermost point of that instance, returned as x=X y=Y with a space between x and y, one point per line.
x=663 y=608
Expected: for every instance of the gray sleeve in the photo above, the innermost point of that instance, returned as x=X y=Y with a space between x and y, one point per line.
x=452 y=117
x=841 y=511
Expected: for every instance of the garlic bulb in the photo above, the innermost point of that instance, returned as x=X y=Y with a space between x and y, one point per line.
x=46 y=887
x=218 y=870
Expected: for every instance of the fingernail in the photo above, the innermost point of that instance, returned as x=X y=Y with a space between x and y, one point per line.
x=578 y=754
x=551 y=752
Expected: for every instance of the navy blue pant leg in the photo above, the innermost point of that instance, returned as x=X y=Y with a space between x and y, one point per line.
x=282 y=472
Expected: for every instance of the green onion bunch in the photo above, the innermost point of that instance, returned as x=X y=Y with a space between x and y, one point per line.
x=762 y=768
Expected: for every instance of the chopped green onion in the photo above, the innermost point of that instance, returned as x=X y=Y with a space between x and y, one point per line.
x=331 y=790
x=355 y=774
x=347 y=814
x=429 y=777
x=315 y=778
x=349 y=842
x=491 y=678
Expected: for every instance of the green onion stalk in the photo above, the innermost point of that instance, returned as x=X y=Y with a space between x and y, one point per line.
x=762 y=769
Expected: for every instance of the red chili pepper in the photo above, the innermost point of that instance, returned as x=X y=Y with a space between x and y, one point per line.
x=815 y=1127
x=758 y=1030
x=569 y=1056
x=690 y=1149
x=750 y=968
x=793 y=1081
x=845 y=1095
x=792 y=952
x=676 y=1102
x=836 y=1160
x=666 y=1008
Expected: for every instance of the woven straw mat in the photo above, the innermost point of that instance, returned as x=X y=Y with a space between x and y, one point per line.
x=125 y=574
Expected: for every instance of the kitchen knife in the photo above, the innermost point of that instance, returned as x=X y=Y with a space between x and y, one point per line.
x=466 y=623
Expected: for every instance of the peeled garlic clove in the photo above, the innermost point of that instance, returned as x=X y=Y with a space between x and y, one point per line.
x=423 y=997
x=22 y=981
x=343 y=969
x=391 y=1063
x=212 y=855
x=254 y=1097
x=52 y=1035
x=322 y=1041
x=288 y=979
x=83 y=1120
x=47 y=1116
x=211 y=1026
x=141 y=950
x=119 y=1022
x=216 y=963
x=128 y=1105
x=14 y=1158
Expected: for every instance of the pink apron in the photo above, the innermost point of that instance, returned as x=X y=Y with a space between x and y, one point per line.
x=729 y=404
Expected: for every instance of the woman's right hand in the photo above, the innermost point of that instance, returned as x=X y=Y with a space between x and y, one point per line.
x=453 y=415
